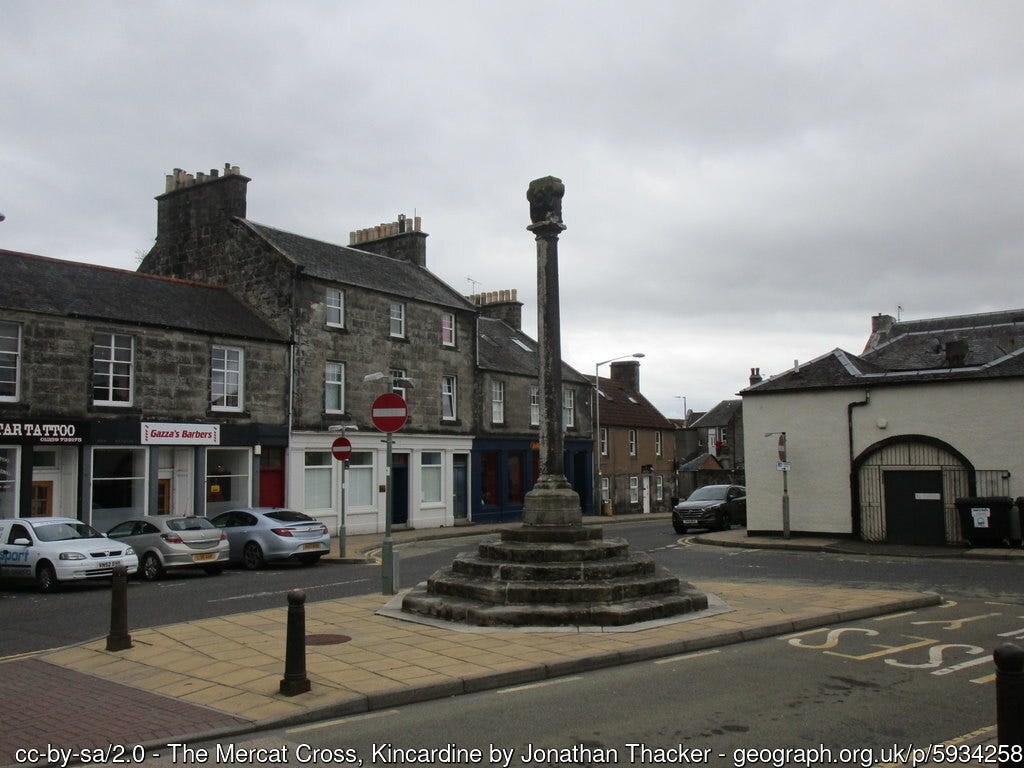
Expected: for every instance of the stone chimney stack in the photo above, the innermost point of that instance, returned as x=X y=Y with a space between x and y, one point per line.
x=627 y=372
x=755 y=376
x=400 y=239
x=192 y=212
x=501 y=305
x=881 y=326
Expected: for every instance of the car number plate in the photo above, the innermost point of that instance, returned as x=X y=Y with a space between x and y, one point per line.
x=311 y=546
x=107 y=564
x=690 y=520
x=207 y=556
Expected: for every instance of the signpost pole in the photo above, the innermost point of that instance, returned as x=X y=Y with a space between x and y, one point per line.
x=341 y=524
x=785 y=503
x=388 y=556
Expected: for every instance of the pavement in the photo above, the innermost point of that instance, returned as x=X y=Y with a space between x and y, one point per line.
x=219 y=678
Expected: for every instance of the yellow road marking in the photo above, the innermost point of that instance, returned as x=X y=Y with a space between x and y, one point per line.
x=685 y=656
x=531 y=686
x=340 y=720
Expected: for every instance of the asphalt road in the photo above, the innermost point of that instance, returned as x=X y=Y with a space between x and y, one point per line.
x=33 y=621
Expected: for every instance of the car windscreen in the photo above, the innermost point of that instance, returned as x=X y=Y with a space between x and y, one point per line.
x=709 y=493
x=66 y=532
x=289 y=516
x=189 y=524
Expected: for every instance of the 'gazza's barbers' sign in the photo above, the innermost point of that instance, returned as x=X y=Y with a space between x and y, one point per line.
x=57 y=432
x=180 y=434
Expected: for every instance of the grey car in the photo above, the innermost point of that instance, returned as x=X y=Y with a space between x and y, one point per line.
x=257 y=535
x=164 y=542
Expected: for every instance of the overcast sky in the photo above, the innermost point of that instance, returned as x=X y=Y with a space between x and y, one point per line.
x=747 y=183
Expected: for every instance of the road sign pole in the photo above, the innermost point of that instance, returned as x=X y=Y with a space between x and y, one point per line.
x=388 y=556
x=785 y=504
x=341 y=524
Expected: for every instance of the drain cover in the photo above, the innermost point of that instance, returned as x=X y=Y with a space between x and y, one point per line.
x=327 y=639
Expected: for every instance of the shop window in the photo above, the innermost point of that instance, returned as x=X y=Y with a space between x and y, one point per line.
x=227 y=479
x=318 y=480
x=430 y=479
x=8 y=482
x=359 y=483
x=489 y=477
x=118 y=485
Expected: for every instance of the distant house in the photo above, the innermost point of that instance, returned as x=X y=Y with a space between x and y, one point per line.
x=881 y=444
x=635 y=443
x=721 y=431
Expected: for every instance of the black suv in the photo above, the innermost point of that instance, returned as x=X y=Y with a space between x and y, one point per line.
x=713 y=506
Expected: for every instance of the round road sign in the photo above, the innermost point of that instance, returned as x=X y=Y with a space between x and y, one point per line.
x=782 y=447
x=341 y=448
x=389 y=412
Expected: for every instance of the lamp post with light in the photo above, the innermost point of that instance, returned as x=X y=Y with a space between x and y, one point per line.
x=597 y=425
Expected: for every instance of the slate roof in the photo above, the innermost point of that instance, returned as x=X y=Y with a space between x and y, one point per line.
x=719 y=416
x=917 y=351
x=73 y=289
x=500 y=348
x=703 y=461
x=625 y=407
x=351 y=266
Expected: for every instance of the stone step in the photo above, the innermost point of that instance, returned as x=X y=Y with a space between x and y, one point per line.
x=552 y=534
x=636 y=564
x=539 y=552
x=585 y=614
x=497 y=592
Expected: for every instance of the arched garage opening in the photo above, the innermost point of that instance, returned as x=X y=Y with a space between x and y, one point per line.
x=905 y=490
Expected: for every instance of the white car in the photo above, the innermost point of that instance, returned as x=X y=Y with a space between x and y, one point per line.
x=50 y=550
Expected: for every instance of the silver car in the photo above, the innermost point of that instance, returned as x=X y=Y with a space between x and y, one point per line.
x=164 y=542
x=260 y=534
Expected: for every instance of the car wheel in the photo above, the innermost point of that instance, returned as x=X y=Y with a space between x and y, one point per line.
x=679 y=528
x=310 y=559
x=150 y=568
x=252 y=556
x=46 y=578
x=724 y=523
x=213 y=570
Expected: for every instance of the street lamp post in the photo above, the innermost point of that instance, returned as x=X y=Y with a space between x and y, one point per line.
x=598 y=501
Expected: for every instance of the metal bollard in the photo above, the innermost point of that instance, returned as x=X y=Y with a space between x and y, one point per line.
x=1009 y=660
x=119 y=639
x=295 y=680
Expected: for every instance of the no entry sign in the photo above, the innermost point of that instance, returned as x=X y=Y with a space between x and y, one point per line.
x=389 y=412
x=341 y=448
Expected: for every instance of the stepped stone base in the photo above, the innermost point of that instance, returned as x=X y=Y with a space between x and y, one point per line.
x=553 y=576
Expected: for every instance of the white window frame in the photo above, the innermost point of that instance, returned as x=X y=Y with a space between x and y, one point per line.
x=319 y=477
x=534 y=405
x=448 y=329
x=109 y=374
x=334 y=382
x=431 y=475
x=605 y=487
x=659 y=488
x=568 y=408
x=497 y=402
x=396 y=375
x=657 y=443
x=604 y=441
x=11 y=359
x=334 y=307
x=632 y=442
x=360 y=488
x=226 y=371
x=634 y=489
x=449 y=397
x=396 y=320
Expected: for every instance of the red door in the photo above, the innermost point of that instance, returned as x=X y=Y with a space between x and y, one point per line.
x=271 y=477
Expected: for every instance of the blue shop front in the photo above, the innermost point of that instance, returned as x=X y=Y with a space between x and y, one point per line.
x=505 y=470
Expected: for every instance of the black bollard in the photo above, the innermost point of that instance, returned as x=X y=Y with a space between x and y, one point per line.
x=1009 y=659
x=295 y=680
x=119 y=639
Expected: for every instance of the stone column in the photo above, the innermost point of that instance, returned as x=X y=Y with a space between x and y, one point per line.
x=552 y=501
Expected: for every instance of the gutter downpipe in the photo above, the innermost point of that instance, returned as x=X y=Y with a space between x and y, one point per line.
x=854 y=488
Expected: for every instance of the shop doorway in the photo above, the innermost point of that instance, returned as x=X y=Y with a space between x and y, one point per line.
x=460 y=478
x=914 y=512
x=272 y=477
x=400 y=489
x=42 y=498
